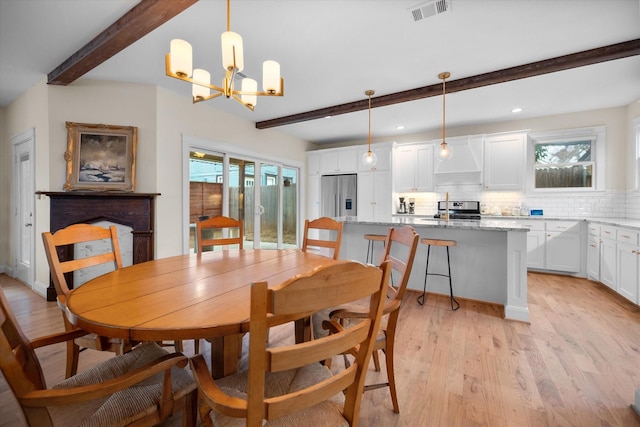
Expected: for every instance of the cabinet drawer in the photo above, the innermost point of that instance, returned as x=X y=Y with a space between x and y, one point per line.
x=568 y=226
x=628 y=236
x=608 y=232
x=594 y=229
x=533 y=225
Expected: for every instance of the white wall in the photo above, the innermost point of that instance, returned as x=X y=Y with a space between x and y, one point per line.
x=177 y=116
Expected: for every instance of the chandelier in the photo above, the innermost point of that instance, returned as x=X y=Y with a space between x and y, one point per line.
x=369 y=158
x=445 y=152
x=179 y=65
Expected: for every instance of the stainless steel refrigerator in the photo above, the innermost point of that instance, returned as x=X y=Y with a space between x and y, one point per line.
x=338 y=195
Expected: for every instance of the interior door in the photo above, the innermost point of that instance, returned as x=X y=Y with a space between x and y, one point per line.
x=24 y=189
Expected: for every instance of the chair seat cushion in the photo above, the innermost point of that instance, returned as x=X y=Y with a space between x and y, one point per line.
x=324 y=414
x=126 y=406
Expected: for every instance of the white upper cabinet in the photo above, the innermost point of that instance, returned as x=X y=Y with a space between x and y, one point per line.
x=413 y=168
x=313 y=163
x=504 y=162
x=338 y=161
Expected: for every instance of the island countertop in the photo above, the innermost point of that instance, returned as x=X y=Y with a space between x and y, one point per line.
x=430 y=222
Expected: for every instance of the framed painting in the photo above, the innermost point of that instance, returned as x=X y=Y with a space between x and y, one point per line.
x=100 y=157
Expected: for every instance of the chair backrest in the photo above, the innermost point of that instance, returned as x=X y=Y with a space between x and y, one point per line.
x=323 y=224
x=218 y=225
x=400 y=248
x=18 y=360
x=297 y=298
x=78 y=233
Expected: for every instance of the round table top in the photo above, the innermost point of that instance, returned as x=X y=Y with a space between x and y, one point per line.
x=185 y=296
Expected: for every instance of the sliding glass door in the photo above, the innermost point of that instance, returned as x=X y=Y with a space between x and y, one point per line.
x=262 y=193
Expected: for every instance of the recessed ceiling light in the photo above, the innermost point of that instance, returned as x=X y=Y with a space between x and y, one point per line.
x=400 y=127
x=516 y=110
x=327 y=117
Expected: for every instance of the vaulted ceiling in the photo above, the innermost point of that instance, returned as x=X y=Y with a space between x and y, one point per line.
x=546 y=57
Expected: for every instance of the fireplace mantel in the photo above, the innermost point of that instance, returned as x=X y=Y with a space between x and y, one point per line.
x=135 y=210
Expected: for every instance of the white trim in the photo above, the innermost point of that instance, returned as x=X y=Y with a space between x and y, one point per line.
x=226 y=151
x=596 y=134
x=26 y=137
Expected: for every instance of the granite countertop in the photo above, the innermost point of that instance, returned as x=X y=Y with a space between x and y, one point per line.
x=430 y=222
x=495 y=223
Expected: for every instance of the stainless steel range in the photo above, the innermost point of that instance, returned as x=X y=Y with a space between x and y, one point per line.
x=459 y=210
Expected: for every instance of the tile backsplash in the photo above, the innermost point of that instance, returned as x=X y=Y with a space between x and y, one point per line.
x=614 y=204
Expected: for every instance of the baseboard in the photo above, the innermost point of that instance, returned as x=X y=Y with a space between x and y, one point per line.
x=6 y=270
x=40 y=289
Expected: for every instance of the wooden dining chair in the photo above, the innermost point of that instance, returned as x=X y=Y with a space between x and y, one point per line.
x=143 y=387
x=212 y=232
x=287 y=385
x=60 y=269
x=400 y=250
x=324 y=224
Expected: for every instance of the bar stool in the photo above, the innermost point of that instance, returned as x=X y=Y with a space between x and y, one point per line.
x=446 y=244
x=372 y=238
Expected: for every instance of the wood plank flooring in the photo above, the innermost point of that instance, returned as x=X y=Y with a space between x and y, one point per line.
x=576 y=364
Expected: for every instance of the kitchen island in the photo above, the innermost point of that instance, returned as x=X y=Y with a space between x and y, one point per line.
x=488 y=264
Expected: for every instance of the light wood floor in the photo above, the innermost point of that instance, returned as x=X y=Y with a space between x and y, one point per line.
x=576 y=364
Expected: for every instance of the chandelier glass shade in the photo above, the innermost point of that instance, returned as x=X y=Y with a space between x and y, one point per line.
x=445 y=152
x=369 y=158
x=179 y=65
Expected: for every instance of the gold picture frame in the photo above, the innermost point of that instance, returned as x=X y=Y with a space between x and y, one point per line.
x=100 y=157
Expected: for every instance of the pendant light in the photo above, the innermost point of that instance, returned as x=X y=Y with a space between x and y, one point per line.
x=446 y=151
x=369 y=158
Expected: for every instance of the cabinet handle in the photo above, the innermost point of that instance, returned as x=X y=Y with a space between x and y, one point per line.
x=624 y=236
x=606 y=232
x=593 y=246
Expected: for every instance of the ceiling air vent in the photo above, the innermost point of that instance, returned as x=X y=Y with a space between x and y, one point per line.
x=427 y=10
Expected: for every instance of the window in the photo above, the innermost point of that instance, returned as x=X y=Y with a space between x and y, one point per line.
x=563 y=164
x=569 y=160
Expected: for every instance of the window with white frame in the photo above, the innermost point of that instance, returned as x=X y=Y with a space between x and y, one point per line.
x=568 y=160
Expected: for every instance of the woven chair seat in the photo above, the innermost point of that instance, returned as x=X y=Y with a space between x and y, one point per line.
x=324 y=414
x=126 y=406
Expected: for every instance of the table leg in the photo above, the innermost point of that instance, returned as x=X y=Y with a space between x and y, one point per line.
x=224 y=355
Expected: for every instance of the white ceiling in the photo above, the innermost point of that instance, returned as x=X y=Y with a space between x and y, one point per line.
x=331 y=51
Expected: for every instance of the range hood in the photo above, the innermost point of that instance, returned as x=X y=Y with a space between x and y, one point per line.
x=465 y=165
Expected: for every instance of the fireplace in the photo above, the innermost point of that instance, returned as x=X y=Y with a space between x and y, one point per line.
x=135 y=210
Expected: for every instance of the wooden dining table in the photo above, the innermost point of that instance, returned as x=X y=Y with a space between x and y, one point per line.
x=186 y=297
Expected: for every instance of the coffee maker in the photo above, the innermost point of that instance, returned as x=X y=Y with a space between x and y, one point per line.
x=403 y=206
x=412 y=205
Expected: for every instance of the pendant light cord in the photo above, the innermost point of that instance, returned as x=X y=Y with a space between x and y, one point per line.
x=443 y=107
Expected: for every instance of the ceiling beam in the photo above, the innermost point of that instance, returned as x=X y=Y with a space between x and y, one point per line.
x=143 y=18
x=560 y=63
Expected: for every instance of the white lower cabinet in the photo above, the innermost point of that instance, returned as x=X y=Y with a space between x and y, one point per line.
x=628 y=264
x=618 y=259
x=608 y=258
x=562 y=246
x=554 y=245
x=535 y=244
x=593 y=257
